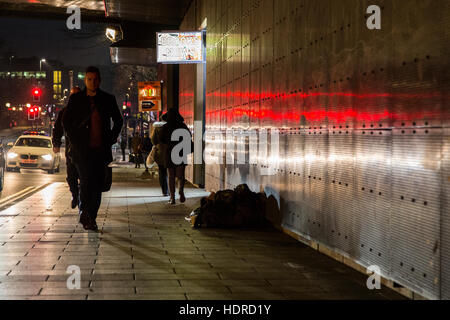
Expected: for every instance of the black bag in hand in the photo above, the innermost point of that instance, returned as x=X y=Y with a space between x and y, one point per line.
x=107 y=182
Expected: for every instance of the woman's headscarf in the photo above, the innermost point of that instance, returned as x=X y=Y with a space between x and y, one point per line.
x=174 y=116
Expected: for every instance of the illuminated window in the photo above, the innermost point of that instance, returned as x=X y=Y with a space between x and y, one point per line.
x=56 y=77
x=29 y=74
x=57 y=89
x=56 y=85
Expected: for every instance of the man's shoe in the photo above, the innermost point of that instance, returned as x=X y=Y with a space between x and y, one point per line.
x=87 y=227
x=182 y=197
x=93 y=226
x=74 y=202
x=172 y=201
x=85 y=220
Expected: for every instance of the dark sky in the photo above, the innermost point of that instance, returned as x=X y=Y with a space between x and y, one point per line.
x=51 y=39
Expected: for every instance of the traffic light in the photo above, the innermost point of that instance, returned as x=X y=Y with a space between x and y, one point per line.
x=36 y=94
x=33 y=113
x=126 y=111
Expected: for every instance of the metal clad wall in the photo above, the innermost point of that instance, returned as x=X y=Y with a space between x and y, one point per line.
x=445 y=209
x=371 y=228
x=416 y=187
x=363 y=117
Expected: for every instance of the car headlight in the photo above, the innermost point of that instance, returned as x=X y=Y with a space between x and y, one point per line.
x=12 y=155
x=47 y=157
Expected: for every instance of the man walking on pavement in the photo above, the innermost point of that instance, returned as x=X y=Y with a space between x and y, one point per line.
x=123 y=146
x=87 y=122
x=72 y=174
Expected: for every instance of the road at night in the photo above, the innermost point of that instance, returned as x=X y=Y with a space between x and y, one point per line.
x=17 y=182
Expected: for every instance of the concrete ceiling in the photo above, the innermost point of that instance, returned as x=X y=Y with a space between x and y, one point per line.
x=156 y=12
x=140 y=19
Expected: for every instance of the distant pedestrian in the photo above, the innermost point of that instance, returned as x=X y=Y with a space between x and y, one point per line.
x=72 y=174
x=136 y=145
x=160 y=155
x=174 y=121
x=123 y=146
x=87 y=122
x=146 y=149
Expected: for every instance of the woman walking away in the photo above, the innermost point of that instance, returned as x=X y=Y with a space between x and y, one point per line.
x=160 y=154
x=174 y=121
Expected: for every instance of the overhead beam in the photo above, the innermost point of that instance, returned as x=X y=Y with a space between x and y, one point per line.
x=114 y=15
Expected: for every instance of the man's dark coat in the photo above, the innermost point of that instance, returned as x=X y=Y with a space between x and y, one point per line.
x=76 y=122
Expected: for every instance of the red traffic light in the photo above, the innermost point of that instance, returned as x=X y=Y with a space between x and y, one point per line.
x=36 y=94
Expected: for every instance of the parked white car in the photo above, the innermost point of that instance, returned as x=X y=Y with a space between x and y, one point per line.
x=33 y=152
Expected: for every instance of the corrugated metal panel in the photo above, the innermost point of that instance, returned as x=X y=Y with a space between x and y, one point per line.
x=445 y=211
x=370 y=232
x=340 y=187
x=416 y=201
x=348 y=101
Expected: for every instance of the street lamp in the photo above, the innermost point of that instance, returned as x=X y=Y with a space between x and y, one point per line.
x=8 y=105
x=40 y=64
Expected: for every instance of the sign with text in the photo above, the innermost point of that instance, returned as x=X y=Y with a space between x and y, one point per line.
x=180 y=47
x=149 y=96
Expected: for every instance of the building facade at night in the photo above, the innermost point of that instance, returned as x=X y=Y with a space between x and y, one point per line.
x=19 y=76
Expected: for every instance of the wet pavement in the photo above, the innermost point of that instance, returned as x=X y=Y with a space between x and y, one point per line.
x=145 y=249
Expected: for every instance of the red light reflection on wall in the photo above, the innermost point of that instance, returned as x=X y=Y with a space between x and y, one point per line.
x=339 y=108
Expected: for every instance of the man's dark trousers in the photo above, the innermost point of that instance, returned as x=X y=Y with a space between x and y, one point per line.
x=72 y=178
x=72 y=174
x=92 y=177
